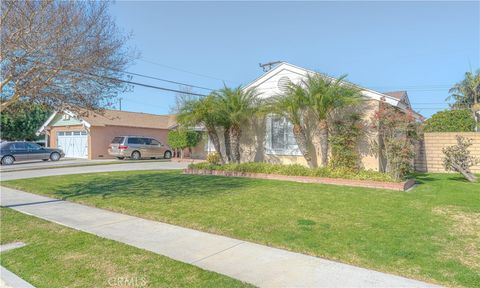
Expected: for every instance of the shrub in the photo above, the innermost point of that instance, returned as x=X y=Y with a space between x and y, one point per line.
x=345 y=132
x=458 y=158
x=450 y=121
x=397 y=132
x=296 y=170
x=213 y=158
x=181 y=139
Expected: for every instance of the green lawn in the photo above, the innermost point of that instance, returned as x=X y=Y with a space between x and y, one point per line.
x=431 y=233
x=56 y=256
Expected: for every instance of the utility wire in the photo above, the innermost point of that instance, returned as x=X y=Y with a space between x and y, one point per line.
x=186 y=71
x=165 y=80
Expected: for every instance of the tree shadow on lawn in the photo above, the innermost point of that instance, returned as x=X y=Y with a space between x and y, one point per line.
x=425 y=178
x=151 y=185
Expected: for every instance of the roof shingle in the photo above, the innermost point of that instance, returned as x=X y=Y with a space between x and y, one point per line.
x=129 y=119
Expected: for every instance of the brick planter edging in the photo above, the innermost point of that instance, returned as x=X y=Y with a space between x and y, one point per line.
x=398 y=186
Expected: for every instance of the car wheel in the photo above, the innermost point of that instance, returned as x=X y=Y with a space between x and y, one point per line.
x=167 y=155
x=8 y=160
x=136 y=155
x=120 y=158
x=55 y=156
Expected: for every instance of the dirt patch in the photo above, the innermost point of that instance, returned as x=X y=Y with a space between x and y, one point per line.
x=466 y=228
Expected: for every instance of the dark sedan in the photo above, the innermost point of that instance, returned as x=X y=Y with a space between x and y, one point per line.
x=11 y=152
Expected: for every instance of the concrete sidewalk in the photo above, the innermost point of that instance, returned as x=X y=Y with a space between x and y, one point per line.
x=256 y=264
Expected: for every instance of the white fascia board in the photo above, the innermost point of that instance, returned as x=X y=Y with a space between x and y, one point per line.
x=304 y=72
x=71 y=114
x=45 y=124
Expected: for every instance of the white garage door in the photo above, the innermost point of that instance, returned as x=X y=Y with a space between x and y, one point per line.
x=73 y=143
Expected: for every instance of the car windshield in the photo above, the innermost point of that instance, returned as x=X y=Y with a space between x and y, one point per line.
x=117 y=140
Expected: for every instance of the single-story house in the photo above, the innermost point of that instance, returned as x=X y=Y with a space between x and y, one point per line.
x=271 y=139
x=90 y=135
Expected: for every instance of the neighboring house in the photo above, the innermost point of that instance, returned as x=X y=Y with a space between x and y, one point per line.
x=90 y=135
x=272 y=140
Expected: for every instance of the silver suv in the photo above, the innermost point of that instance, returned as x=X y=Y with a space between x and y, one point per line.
x=138 y=147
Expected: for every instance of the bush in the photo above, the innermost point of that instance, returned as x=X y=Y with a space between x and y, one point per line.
x=345 y=132
x=296 y=170
x=213 y=158
x=450 y=121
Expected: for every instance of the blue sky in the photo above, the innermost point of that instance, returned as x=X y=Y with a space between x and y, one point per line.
x=421 y=47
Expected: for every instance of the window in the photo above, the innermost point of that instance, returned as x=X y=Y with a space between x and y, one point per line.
x=33 y=146
x=280 y=138
x=68 y=133
x=209 y=147
x=117 y=140
x=135 y=140
x=18 y=146
x=154 y=142
x=61 y=133
x=84 y=132
x=76 y=133
x=66 y=117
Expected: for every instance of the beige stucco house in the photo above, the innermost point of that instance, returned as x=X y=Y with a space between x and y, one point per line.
x=88 y=136
x=271 y=139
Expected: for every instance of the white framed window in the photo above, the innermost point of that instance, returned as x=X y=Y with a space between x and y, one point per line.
x=66 y=117
x=279 y=137
x=209 y=147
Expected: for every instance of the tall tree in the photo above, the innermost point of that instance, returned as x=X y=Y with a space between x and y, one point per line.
x=21 y=120
x=239 y=106
x=204 y=112
x=293 y=105
x=60 y=54
x=467 y=94
x=325 y=95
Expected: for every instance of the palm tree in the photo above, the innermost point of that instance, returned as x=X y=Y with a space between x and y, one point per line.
x=204 y=112
x=238 y=106
x=325 y=95
x=292 y=105
x=467 y=94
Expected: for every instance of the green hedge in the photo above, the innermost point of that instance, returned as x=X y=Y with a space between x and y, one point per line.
x=450 y=121
x=296 y=170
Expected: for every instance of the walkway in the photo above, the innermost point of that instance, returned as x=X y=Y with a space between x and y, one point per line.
x=256 y=264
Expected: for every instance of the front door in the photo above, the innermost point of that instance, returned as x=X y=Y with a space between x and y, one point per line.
x=19 y=151
x=36 y=152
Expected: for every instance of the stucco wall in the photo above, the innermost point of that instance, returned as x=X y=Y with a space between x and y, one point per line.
x=430 y=157
x=252 y=144
x=101 y=137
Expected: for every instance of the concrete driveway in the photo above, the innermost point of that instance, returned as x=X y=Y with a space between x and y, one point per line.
x=127 y=166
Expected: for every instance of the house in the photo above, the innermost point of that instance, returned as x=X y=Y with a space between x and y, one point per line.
x=272 y=140
x=89 y=136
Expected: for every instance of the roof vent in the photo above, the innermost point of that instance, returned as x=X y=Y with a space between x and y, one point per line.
x=283 y=83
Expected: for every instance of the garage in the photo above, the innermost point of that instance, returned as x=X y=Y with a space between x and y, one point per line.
x=90 y=134
x=73 y=143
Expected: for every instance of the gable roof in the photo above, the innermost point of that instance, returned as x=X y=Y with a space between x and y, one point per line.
x=129 y=119
x=118 y=118
x=397 y=94
x=394 y=99
x=284 y=66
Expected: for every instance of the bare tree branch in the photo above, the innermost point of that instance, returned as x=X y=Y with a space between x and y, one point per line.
x=51 y=49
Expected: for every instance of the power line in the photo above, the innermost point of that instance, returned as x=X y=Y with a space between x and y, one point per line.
x=165 y=80
x=142 y=84
x=186 y=71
